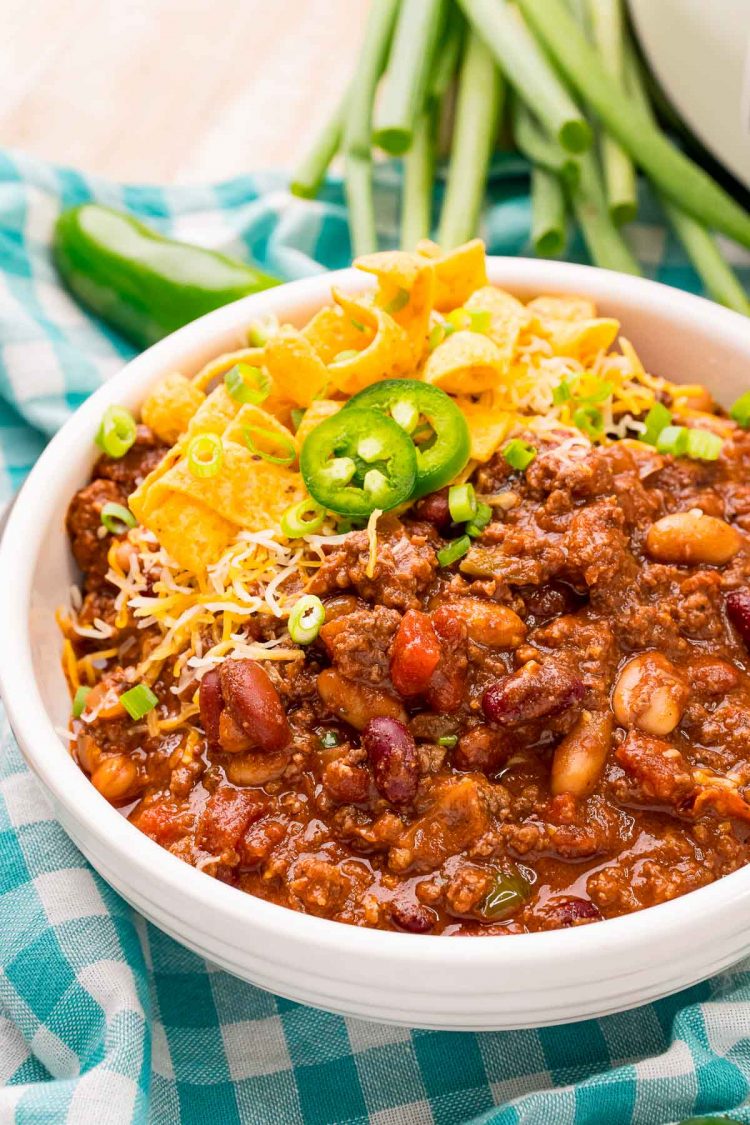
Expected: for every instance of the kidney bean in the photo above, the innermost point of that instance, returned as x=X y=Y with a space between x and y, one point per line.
x=211 y=703
x=535 y=691
x=412 y=916
x=255 y=704
x=434 y=509
x=570 y=911
x=416 y=654
x=393 y=756
x=738 y=612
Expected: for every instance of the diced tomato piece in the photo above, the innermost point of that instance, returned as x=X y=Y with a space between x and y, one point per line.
x=416 y=654
x=227 y=815
x=166 y=822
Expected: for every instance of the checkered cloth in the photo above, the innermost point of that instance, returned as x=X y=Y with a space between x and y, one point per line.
x=105 y=1019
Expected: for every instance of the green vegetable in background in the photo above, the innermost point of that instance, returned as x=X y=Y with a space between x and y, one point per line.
x=139 y=282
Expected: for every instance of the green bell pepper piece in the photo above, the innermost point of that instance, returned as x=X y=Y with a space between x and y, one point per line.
x=139 y=282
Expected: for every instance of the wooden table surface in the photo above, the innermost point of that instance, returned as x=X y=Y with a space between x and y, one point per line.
x=172 y=90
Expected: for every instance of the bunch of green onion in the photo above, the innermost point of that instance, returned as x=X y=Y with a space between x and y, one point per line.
x=562 y=78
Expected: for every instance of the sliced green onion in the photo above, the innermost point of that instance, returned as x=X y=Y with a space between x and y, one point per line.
x=304 y=518
x=399 y=302
x=673 y=439
x=448 y=740
x=458 y=319
x=262 y=329
x=79 y=701
x=703 y=445
x=657 y=419
x=480 y=320
x=405 y=414
x=297 y=415
x=481 y=518
x=561 y=393
x=462 y=502
x=455 y=550
x=281 y=441
x=436 y=336
x=589 y=420
x=329 y=739
x=117 y=518
x=306 y=618
x=345 y=356
x=519 y=454
x=138 y=701
x=116 y=432
x=205 y=455
x=601 y=392
x=740 y=410
x=247 y=384
x=376 y=484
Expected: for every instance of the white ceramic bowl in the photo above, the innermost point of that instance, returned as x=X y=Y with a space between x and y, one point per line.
x=455 y=983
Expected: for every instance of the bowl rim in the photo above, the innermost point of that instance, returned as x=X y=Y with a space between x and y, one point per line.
x=681 y=921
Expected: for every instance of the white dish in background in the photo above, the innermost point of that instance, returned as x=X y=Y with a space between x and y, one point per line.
x=458 y=983
x=700 y=55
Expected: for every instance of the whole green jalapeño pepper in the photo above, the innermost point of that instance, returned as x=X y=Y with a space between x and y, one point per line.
x=431 y=418
x=139 y=282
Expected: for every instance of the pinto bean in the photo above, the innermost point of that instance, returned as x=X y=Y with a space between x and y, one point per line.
x=535 y=691
x=416 y=653
x=692 y=537
x=115 y=777
x=481 y=748
x=211 y=703
x=356 y=703
x=232 y=738
x=393 y=756
x=88 y=752
x=738 y=612
x=256 y=767
x=650 y=694
x=489 y=623
x=579 y=759
x=255 y=704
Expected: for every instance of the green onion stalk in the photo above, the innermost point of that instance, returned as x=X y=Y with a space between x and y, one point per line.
x=548 y=226
x=357 y=128
x=604 y=241
x=418 y=29
x=538 y=148
x=478 y=107
x=619 y=170
x=310 y=173
x=674 y=174
x=499 y=24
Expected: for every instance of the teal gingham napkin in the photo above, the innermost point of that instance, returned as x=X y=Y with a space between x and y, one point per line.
x=105 y=1019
